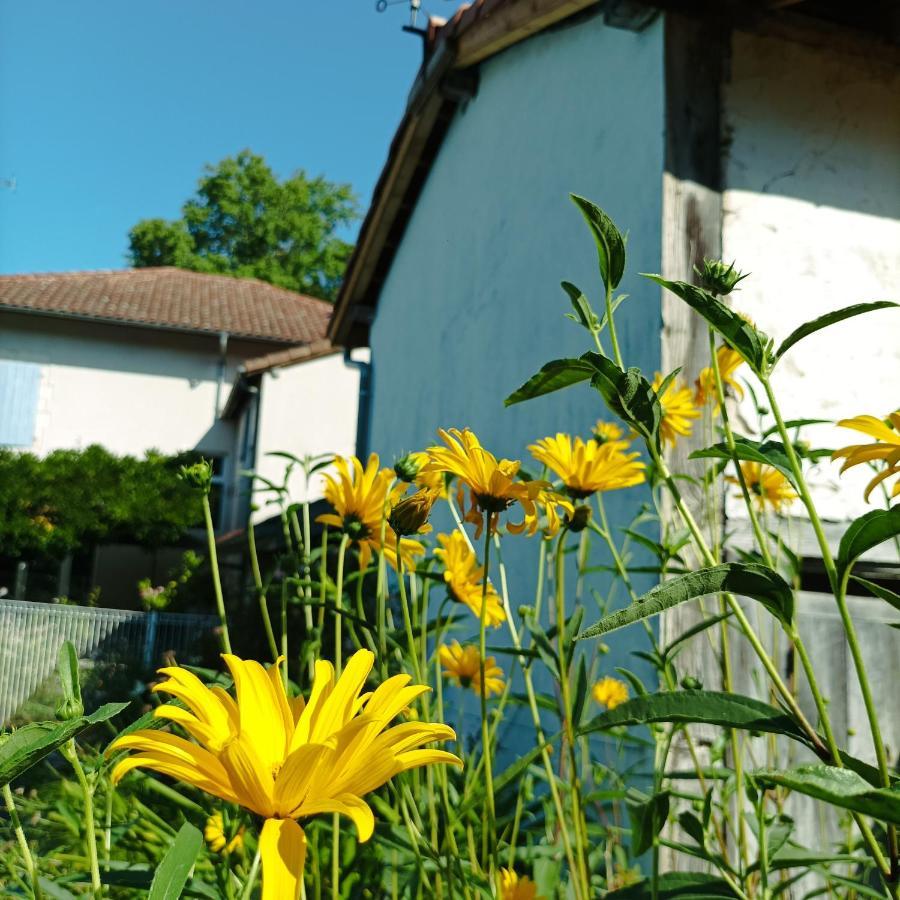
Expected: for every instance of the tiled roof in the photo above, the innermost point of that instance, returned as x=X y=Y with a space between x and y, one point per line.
x=172 y=298
x=289 y=356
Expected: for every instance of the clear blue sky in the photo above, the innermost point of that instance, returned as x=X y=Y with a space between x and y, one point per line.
x=110 y=108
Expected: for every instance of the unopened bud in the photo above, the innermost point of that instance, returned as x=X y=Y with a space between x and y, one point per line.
x=407 y=467
x=197 y=476
x=718 y=278
x=579 y=519
x=689 y=683
x=411 y=514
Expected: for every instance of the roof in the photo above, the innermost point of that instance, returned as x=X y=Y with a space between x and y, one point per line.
x=448 y=77
x=173 y=299
x=289 y=357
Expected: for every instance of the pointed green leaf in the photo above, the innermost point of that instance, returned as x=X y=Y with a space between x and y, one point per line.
x=831 y=318
x=747 y=579
x=584 y=315
x=677 y=886
x=737 y=332
x=709 y=707
x=28 y=745
x=648 y=816
x=553 y=376
x=175 y=868
x=866 y=532
x=838 y=787
x=609 y=241
x=878 y=591
x=768 y=453
x=70 y=682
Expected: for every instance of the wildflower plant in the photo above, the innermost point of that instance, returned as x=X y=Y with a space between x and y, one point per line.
x=414 y=731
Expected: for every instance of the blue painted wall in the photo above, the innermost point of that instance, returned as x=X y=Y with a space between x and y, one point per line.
x=472 y=305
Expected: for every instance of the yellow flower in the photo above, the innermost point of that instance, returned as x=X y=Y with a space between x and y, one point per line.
x=728 y=362
x=512 y=887
x=767 y=485
x=218 y=840
x=360 y=502
x=464 y=577
x=285 y=759
x=410 y=515
x=586 y=467
x=678 y=409
x=610 y=692
x=463 y=665
x=546 y=515
x=885 y=448
x=491 y=482
x=609 y=431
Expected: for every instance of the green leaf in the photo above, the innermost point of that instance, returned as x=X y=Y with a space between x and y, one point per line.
x=831 y=318
x=175 y=868
x=628 y=394
x=584 y=315
x=609 y=241
x=878 y=591
x=26 y=746
x=747 y=579
x=70 y=682
x=769 y=453
x=553 y=376
x=737 y=332
x=866 y=532
x=692 y=826
x=708 y=707
x=677 y=886
x=796 y=423
x=838 y=787
x=648 y=816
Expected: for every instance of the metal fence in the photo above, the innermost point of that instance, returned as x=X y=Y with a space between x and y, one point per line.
x=32 y=633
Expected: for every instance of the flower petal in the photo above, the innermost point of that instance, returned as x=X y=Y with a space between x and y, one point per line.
x=282 y=849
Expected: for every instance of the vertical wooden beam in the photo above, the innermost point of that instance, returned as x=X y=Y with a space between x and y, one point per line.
x=696 y=52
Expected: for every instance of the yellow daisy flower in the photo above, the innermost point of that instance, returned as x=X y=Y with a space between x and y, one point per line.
x=286 y=759
x=546 y=515
x=678 y=409
x=610 y=692
x=463 y=665
x=464 y=578
x=728 y=362
x=767 y=485
x=586 y=467
x=886 y=448
x=604 y=432
x=360 y=501
x=491 y=482
x=218 y=840
x=513 y=887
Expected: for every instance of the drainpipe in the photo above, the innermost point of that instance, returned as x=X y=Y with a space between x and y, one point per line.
x=365 y=403
x=223 y=362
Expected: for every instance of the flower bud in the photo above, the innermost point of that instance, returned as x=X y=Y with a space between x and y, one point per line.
x=689 y=683
x=718 y=278
x=410 y=515
x=579 y=519
x=407 y=467
x=198 y=476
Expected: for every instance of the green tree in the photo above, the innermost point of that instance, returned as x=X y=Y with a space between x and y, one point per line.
x=244 y=221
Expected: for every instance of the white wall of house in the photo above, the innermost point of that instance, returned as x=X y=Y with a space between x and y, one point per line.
x=128 y=389
x=310 y=409
x=812 y=209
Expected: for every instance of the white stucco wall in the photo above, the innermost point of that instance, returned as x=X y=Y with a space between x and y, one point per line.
x=306 y=409
x=127 y=389
x=812 y=209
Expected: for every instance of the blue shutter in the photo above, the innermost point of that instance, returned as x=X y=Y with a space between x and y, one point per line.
x=19 y=385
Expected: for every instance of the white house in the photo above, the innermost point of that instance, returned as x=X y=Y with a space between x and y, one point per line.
x=148 y=358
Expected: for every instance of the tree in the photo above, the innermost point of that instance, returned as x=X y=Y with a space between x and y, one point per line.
x=243 y=221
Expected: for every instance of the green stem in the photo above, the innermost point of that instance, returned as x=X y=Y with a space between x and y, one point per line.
x=214 y=568
x=260 y=589
x=338 y=667
x=490 y=828
x=407 y=621
x=70 y=752
x=24 y=849
x=611 y=324
x=251 y=877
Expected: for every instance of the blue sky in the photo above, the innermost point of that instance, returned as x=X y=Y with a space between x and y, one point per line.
x=110 y=108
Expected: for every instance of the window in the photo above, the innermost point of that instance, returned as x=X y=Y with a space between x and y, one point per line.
x=19 y=386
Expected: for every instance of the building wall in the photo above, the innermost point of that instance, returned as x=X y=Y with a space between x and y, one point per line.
x=128 y=389
x=306 y=409
x=472 y=305
x=812 y=210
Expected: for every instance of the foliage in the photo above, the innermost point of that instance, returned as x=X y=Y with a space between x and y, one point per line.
x=244 y=221
x=567 y=791
x=72 y=499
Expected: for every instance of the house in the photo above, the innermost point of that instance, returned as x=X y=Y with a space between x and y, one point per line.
x=173 y=360
x=761 y=131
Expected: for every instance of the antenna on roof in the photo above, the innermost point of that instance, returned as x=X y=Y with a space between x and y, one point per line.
x=414 y=8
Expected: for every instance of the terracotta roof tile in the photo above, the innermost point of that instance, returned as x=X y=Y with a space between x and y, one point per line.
x=172 y=298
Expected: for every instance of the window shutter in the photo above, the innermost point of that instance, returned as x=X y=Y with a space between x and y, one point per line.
x=19 y=386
